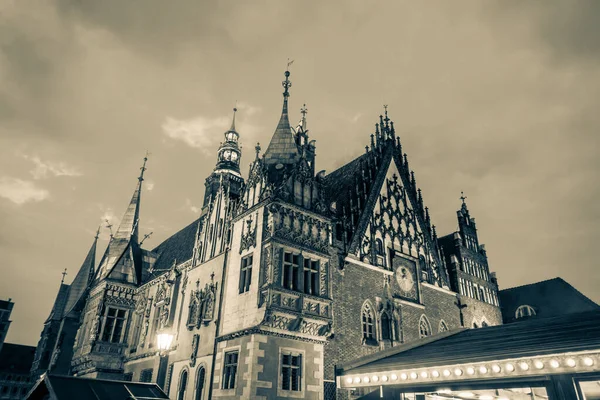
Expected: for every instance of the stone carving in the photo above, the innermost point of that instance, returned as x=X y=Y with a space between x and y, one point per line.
x=194 y=354
x=248 y=239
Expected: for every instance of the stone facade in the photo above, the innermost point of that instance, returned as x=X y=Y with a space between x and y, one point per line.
x=285 y=275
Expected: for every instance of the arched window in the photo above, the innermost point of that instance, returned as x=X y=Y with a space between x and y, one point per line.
x=475 y=325
x=378 y=247
x=443 y=327
x=484 y=324
x=524 y=311
x=200 y=382
x=424 y=327
x=182 y=385
x=368 y=327
x=386 y=327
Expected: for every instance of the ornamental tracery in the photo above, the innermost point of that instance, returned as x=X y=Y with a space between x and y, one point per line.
x=202 y=304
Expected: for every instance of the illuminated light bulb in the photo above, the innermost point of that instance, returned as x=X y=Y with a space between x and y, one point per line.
x=539 y=364
x=349 y=380
x=510 y=367
x=458 y=372
x=483 y=369
x=444 y=391
x=554 y=364
x=394 y=377
x=435 y=373
x=571 y=362
x=447 y=372
x=486 y=397
x=357 y=380
x=403 y=377
x=375 y=378
x=413 y=375
x=524 y=366
x=424 y=374
x=466 y=394
x=366 y=379
x=503 y=398
x=588 y=362
x=470 y=370
x=384 y=378
x=496 y=368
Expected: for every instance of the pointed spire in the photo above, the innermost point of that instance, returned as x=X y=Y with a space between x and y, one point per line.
x=129 y=223
x=282 y=148
x=233 y=120
x=84 y=277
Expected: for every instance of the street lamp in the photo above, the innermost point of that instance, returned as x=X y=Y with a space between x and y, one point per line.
x=163 y=341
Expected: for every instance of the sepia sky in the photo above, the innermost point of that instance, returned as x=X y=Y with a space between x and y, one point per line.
x=498 y=99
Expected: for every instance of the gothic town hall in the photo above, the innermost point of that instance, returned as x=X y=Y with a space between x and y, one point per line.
x=287 y=273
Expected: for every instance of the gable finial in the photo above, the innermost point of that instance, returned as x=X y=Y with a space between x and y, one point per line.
x=257 y=149
x=98 y=232
x=64 y=273
x=233 y=120
x=462 y=197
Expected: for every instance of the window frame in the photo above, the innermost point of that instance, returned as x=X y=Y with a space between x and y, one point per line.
x=225 y=366
x=113 y=327
x=301 y=392
x=424 y=322
x=369 y=336
x=246 y=273
x=521 y=315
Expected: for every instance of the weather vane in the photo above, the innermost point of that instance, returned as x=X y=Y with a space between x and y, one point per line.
x=109 y=226
x=463 y=197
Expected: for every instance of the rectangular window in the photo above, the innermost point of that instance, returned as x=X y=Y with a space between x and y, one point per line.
x=155 y=321
x=146 y=375
x=311 y=276
x=291 y=371
x=135 y=337
x=230 y=369
x=291 y=267
x=246 y=274
x=113 y=325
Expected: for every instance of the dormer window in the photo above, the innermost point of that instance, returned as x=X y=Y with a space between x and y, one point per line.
x=525 y=311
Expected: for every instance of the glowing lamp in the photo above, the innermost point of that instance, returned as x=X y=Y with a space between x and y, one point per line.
x=588 y=362
x=571 y=362
x=163 y=341
x=554 y=364
x=539 y=364
x=483 y=369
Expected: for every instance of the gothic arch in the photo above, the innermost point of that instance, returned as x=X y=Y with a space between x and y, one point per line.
x=182 y=385
x=524 y=311
x=475 y=324
x=484 y=322
x=442 y=327
x=368 y=322
x=200 y=383
x=386 y=325
x=424 y=327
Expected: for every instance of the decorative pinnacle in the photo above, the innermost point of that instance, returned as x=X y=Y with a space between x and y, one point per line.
x=462 y=197
x=385 y=106
x=64 y=273
x=97 y=233
x=141 y=178
x=233 y=120
x=257 y=148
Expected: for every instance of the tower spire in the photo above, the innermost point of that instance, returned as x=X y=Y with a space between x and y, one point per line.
x=282 y=148
x=233 y=120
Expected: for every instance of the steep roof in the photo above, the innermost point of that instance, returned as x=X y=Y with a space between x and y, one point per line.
x=339 y=182
x=544 y=336
x=16 y=358
x=68 y=387
x=179 y=246
x=548 y=298
x=59 y=303
x=82 y=279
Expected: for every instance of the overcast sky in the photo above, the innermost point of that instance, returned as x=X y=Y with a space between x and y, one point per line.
x=496 y=99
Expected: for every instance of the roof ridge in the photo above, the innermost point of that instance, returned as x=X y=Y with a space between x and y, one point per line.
x=558 y=278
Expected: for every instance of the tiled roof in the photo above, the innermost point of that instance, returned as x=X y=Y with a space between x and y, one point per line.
x=16 y=357
x=178 y=247
x=536 y=337
x=548 y=298
x=282 y=148
x=59 y=303
x=339 y=182
x=82 y=279
x=67 y=388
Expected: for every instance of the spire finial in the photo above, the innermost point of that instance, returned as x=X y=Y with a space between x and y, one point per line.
x=287 y=83
x=233 y=120
x=97 y=233
x=462 y=197
x=64 y=273
x=385 y=106
x=141 y=178
x=257 y=148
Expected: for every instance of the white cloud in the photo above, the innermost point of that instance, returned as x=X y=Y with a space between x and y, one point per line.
x=247 y=109
x=191 y=207
x=20 y=192
x=198 y=132
x=149 y=185
x=43 y=169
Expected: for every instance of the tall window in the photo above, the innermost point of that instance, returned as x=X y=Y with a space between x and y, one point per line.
x=200 y=383
x=424 y=327
x=524 y=311
x=291 y=371
x=386 y=327
x=182 y=385
x=157 y=313
x=135 y=337
x=311 y=276
x=230 y=369
x=113 y=325
x=291 y=266
x=368 y=328
x=246 y=274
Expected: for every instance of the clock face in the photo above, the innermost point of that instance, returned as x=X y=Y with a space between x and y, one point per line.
x=405 y=279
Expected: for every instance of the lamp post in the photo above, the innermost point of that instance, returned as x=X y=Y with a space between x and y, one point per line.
x=164 y=340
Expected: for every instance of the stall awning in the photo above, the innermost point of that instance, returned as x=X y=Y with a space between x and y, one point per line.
x=537 y=347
